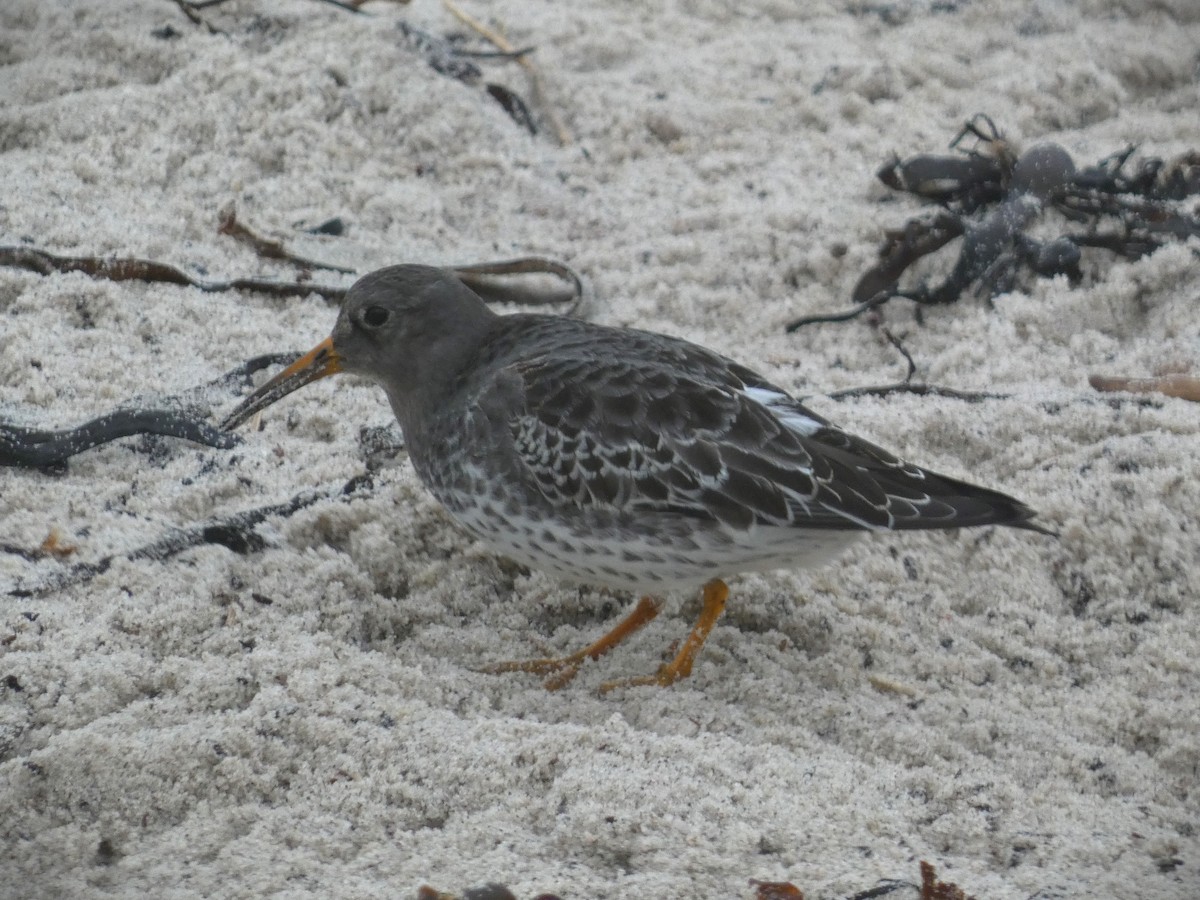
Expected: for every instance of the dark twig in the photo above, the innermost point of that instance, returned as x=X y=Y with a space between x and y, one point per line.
x=918 y=389
x=237 y=532
x=882 y=890
x=269 y=248
x=844 y=316
x=895 y=342
x=189 y=10
x=908 y=386
x=133 y=269
x=496 y=54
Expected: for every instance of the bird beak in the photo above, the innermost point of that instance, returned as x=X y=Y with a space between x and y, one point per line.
x=320 y=361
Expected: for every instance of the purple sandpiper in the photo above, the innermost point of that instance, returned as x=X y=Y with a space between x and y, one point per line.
x=615 y=456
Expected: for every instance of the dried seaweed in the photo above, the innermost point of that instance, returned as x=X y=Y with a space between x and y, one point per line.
x=133 y=269
x=236 y=532
x=41 y=448
x=267 y=248
x=193 y=8
x=932 y=889
x=36 y=448
x=775 y=890
x=990 y=197
x=512 y=104
x=537 y=86
x=481 y=277
x=446 y=57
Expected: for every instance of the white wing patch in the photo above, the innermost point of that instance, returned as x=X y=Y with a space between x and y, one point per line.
x=784 y=409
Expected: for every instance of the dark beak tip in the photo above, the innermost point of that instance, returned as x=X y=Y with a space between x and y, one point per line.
x=318 y=363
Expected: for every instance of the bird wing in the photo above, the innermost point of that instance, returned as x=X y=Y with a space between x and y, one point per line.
x=714 y=442
x=639 y=422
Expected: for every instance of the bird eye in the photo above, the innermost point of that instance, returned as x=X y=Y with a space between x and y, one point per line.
x=375 y=316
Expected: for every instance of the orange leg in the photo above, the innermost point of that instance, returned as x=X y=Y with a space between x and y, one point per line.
x=564 y=668
x=716 y=593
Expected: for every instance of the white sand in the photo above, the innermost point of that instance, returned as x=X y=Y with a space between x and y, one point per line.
x=163 y=734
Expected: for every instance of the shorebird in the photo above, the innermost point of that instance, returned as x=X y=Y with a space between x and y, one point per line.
x=618 y=457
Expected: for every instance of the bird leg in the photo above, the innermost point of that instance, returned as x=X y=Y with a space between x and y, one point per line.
x=564 y=668
x=716 y=593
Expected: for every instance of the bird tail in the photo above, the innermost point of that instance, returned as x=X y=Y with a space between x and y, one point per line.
x=971 y=505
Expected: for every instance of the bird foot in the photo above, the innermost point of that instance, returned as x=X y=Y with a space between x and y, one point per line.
x=714 y=598
x=666 y=676
x=563 y=669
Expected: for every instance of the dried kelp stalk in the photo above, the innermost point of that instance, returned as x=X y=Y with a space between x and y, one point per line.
x=486 y=278
x=236 y=532
x=134 y=269
x=1185 y=387
x=36 y=448
x=268 y=248
x=175 y=417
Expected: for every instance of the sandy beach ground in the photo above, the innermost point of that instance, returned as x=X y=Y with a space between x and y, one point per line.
x=303 y=719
